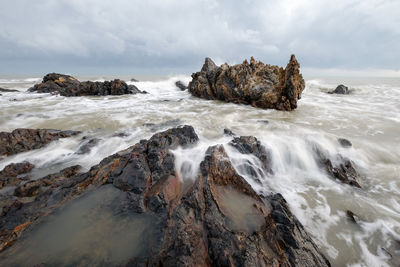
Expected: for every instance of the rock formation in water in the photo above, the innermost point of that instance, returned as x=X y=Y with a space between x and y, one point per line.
x=340 y=89
x=181 y=85
x=66 y=85
x=344 y=170
x=256 y=84
x=22 y=140
x=8 y=90
x=217 y=220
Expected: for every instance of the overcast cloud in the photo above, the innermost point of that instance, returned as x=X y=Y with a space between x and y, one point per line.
x=170 y=36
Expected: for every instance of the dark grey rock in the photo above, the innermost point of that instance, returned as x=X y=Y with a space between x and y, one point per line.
x=344 y=142
x=8 y=90
x=340 y=89
x=181 y=85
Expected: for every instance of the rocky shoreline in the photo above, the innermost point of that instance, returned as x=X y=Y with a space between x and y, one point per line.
x=198 y=224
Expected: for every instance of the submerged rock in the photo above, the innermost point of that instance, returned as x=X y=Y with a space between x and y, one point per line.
x=344 y=142
x=9 y=176
x=256 y=84
x=66 y=85
x=87 y=146
x=228 y=132
x=344 y=171
x=181 y=85
x=8 y=90
x=217 y=220
x=22 y=140
x=340 y=89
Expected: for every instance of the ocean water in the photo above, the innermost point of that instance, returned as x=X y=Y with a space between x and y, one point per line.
x=369 y=117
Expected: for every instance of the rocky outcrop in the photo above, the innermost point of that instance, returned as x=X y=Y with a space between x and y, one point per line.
x=10 y=175
x=221 y=221
x=66 y=85
x=257 y=84
x=217 y=220
x=22 y=140
x=340 y=89
x=181 y=85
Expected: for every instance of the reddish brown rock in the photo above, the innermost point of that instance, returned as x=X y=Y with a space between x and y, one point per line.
x=66 y=85
x=257 y=84
x=22 y=140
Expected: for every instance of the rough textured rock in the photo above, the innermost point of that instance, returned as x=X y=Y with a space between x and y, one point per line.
x=344 y=171
x=256 y=84
x=134 y=169
x=22 y=140
x=217 y=220
x=66 y=85
x=8 y=90
x=9 y=176
x=181 y=85
x=221 y=221
x=340 y=89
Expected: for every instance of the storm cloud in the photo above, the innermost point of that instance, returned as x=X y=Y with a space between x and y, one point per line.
x=175 y=36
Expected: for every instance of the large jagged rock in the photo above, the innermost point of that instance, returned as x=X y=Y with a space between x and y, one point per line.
x=256 y=84
x=22 y=140
x=221 y=221
x=218 y=220
x=66 y=85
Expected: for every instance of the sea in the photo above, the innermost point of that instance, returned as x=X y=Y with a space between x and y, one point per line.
x=369 y=117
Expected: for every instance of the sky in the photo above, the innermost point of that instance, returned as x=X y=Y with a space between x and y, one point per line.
x=174 y=36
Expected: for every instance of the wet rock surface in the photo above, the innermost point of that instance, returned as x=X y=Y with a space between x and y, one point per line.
x=66 y=85
x=10 y=175
x=22 y=140
x=344 y=142
x=340 y=89
x=8 y=90
x=181 y=85
x=344 y=171
x=216 y=220
x=257 y=84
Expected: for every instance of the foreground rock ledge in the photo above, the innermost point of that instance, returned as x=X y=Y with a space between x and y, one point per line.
x=199 y=224
x=257 y=84
x=66 y=85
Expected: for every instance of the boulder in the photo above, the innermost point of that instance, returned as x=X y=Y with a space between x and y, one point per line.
x=216 y=220
x=340 y=89
x=257 y=84
x=22 y=140
x=344 y=142
x=66 y=85
x=181 y=85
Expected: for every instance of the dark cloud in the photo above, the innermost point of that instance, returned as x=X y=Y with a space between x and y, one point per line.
x=175 y=36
